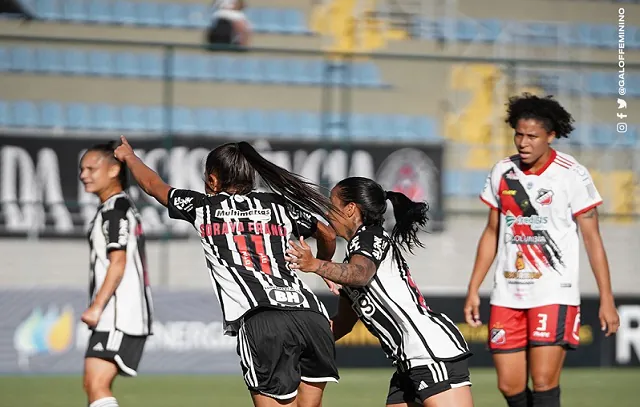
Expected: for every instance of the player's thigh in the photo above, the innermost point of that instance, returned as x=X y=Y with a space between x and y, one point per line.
x=545 y=365
x=458 y=397
x=554 y=325
x=511 y=370
x=269 y=349
x=98 y=373
x=318 y=359
x=310 y=394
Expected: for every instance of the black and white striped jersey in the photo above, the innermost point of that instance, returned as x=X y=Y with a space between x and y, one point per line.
x=117 y=226
x=393 y=309
x=245 y=238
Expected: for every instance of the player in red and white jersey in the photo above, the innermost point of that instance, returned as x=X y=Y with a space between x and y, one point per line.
x=538 y=200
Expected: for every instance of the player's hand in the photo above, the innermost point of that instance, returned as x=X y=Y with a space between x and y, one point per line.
x=91 y=316
x=333 y=287
x=472 y=310
x=300 y=256
x=609 y=319
x=124 y=150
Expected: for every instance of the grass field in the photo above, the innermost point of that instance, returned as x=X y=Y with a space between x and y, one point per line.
x=580 y=388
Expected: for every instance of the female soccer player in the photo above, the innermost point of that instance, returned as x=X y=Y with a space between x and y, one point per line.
x=538 y=199
x=429 y=352
x=120 y=312
x=285 y=343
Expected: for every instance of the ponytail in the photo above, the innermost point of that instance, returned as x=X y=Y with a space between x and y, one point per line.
x=292 y=186
x=410 y=218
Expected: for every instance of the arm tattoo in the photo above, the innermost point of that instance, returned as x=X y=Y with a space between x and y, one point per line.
x=343 y=273
x=590 y=214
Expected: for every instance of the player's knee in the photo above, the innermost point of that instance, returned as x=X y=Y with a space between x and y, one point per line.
x=510 y=387
x=543 y=381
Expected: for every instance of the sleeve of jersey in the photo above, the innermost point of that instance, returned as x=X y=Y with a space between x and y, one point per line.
x=489 y=193
x=371 y=245
x=182 y=204
x=115 y=227
x=584 y=194
x=305 y=224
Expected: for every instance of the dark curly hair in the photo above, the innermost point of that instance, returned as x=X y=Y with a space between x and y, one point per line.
x=548 y=111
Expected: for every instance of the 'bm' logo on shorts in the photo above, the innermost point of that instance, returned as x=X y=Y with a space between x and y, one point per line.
x=286 y=296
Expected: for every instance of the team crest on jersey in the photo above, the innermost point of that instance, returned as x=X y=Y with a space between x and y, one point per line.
x=498 y=335
x=545 y=196
x=512 y=175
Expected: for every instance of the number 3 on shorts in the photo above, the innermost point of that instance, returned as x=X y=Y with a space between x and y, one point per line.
x=542 y=321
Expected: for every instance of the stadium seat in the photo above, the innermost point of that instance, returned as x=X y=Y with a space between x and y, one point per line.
x=149 y=14
x=74 y=10
x=308 y=125
x=127 y=64
x=249 y=70
x=100 y=12
x=208 y=121
x=256 y=123
x=51 y=115
x=197 y=16
x=151 y=65
x=174 y=15
x=275 y=71
x=48 y=10
x=24 y=114
x=183 y=121
x=224 y=69
x=105 y=117
x=100 y=63
x=270 y=21
x=233 y=121
x=22 y=59
x=281 y=123
x=78 y=116
x=153 y=118
x=132 y=118
x=293 y=22
x=49 y=60
x=124 y=12
x=5 y=120
x=74 y=62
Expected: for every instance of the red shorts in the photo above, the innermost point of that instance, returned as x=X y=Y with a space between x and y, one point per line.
x=513 y=330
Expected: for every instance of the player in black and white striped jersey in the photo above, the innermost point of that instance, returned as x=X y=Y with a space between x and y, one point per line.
x=284 y=339
x=121 y=310
x=426 y=347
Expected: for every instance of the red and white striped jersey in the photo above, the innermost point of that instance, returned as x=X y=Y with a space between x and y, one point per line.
x=538 y=247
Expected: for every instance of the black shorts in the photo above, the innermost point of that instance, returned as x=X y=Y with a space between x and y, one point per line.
x=122 y=349
x=221 y=33
x=278 y=349
x=420 y=383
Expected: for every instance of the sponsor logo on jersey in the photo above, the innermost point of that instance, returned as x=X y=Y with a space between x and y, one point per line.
x=545 y=196
x=524 y=239
x=286 y=296
x=253 y=214
x=510 y=192
x=535 y=222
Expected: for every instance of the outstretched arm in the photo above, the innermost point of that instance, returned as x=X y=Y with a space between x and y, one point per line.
x=147 y=179
x=357 y=273
x=326 y=244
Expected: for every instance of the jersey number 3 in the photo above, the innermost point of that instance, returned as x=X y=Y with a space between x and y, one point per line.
x=258 y=247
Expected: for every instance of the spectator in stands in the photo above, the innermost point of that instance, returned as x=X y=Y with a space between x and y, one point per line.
x=229 y=24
